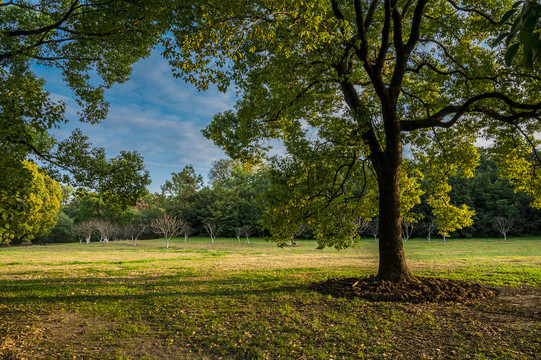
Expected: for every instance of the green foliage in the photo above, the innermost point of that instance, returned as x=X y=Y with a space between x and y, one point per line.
x=492 y=196
x=233 y=200
x=30 y=208
x=183 y=184
x=62 y=231
x=91 y=206
x=524 y=34
x=95 y=44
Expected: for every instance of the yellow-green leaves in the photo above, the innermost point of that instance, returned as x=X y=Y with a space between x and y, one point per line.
x=448 y=154
x=30 y=209
x=518 y=159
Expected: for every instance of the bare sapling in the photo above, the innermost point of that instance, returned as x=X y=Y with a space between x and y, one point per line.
x=212 y=229
x=407 y=230
x=503 y=225
x=168 y=226
x=430 y=226
x=373 y=230
x=186 y=231
x=238 y=232
x=247 y=231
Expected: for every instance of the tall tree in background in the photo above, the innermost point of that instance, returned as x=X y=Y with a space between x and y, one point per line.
x=370 y=76
x=92 y=42
x=183 y=184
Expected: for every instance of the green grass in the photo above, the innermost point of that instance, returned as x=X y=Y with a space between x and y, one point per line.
x=231 y=300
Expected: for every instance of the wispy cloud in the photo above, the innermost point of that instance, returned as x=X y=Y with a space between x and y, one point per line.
x=155 y=114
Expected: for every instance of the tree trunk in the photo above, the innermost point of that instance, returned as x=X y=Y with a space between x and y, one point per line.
x=392 y=258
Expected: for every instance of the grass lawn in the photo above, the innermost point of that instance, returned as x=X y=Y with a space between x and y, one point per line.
x=232 y=300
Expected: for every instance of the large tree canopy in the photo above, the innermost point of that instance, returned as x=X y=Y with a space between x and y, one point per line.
x=371 y=77
x=94 y=43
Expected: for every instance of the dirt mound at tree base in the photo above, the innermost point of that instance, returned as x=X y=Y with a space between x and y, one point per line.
x=423 y=289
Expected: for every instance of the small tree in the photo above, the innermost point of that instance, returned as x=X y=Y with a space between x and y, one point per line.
x=302 y=228
x=84 y=230
x=186 y=230
x=168 y=226
x=430 y=226
x=451 y=218
x=213 y=229
x=407 y=230
x=361 y=225
x=105 y=229
x=247 y=231
x=503 y=225
x=137 y=229
x=373 y=229
x=238 y=233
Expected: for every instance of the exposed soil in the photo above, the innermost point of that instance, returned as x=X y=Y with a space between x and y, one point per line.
x=420 y=290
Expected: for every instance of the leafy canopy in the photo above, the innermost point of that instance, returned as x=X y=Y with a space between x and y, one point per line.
x=346 y=85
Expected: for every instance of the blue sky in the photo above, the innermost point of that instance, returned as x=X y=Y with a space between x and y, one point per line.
x=154 y=113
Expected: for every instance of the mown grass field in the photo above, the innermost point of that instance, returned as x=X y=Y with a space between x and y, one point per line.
x=232 y=300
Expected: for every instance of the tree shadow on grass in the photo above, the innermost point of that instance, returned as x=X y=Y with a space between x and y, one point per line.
x=77 y=290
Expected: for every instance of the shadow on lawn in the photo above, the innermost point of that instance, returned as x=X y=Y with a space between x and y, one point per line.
x=76 y=290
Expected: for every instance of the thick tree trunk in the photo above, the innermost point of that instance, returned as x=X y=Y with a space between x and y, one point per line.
x=392 y=259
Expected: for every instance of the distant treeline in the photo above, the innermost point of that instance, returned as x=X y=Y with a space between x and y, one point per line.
x=234 y=198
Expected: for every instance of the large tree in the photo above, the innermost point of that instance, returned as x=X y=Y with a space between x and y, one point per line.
x=94 y=43
x=371 y=77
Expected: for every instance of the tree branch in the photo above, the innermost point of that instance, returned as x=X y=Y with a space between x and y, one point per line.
x=436 y=120
x=336 y=10
x=370 y=14
x=48 y=158
x=48 y=28
x=385 y=38
x=453 y=4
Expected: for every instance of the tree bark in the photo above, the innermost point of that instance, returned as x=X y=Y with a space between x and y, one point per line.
x=392 y=258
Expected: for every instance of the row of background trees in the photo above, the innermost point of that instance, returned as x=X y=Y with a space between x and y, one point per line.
x=234 y=200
